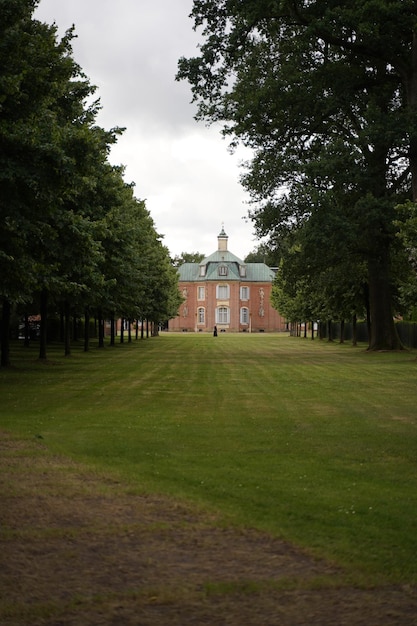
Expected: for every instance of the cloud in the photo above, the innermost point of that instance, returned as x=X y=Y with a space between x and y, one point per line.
x=130 y=50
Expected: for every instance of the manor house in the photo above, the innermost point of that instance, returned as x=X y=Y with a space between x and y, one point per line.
x=224 y=291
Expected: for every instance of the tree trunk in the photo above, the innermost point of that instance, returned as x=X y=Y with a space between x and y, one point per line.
x=86 y=329
x=100 y=329
x=383 y=334
x=354 y=330
x=67 y=329
x=342 y=331
x=122 y=330
x=74 y=327
x=27 y=331
x=129 y=331
x=112 y=331
x=5 y=334
x=44 y=322
x=368 y=311
x=62 y=324
x=411 y=92
x=329 y=331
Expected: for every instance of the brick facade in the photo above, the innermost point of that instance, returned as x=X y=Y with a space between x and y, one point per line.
x=224 y=291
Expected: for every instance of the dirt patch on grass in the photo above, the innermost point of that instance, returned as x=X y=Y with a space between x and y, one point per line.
x=78 y=550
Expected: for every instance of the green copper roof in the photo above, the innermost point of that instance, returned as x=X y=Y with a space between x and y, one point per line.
x=189 y=272
x=222 y=255
x=255 y=272
x=259 y=272
x=222 y=265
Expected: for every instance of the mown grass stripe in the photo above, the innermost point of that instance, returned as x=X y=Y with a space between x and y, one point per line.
x=312 y=441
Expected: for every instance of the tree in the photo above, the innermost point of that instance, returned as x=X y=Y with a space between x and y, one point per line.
x=43 y=119
x=19 y=106
x=264 y=253
x=73 y=237
x=325 y=94
x=187 y=257
x=162 y=297
x=407 y=224
x=138 y=280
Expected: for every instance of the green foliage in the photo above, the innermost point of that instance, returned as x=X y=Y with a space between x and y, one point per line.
x=264 y=253
x=323 y=94
x=407 y=233
x=187 y=257
x=314 y=442
x=71 y=228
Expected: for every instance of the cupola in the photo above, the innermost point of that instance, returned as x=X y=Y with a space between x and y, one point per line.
x=222 y=241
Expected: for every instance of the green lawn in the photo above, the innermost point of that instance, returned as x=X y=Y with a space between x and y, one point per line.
x=312 y=441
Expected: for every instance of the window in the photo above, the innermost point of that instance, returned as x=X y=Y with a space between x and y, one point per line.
x=222 y=270
x=222 y=315
x=202 y=270
x=201 y=315
x=244 y=315
x=222 y=292
x=244 y=293
x=201 y=293
x=242 y=270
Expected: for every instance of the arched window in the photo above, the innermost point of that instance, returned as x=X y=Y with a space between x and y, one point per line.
x=222 y=315
x=201 y=314
x=244 y=315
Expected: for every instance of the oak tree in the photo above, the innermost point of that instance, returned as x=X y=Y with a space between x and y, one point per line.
x=325 y=95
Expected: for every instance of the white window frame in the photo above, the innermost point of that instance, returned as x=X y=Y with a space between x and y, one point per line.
x=223 y=270
x=244 y=315
x=222 y=288
x=201 y=293
x=222 y=315
x=201 y=315
x=244 y=293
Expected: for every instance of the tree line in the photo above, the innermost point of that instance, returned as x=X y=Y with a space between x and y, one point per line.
x=74 y=239
x=324 y=93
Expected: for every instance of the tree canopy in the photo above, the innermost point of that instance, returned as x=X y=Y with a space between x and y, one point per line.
x=73 y=236
x=187 y=257
x=325 y=95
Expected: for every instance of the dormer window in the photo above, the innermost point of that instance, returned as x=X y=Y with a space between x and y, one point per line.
x=242 y=270
x=222 y=270
x=202 y=270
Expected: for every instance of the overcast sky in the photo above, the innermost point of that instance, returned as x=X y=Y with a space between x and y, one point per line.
x=129 y=49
